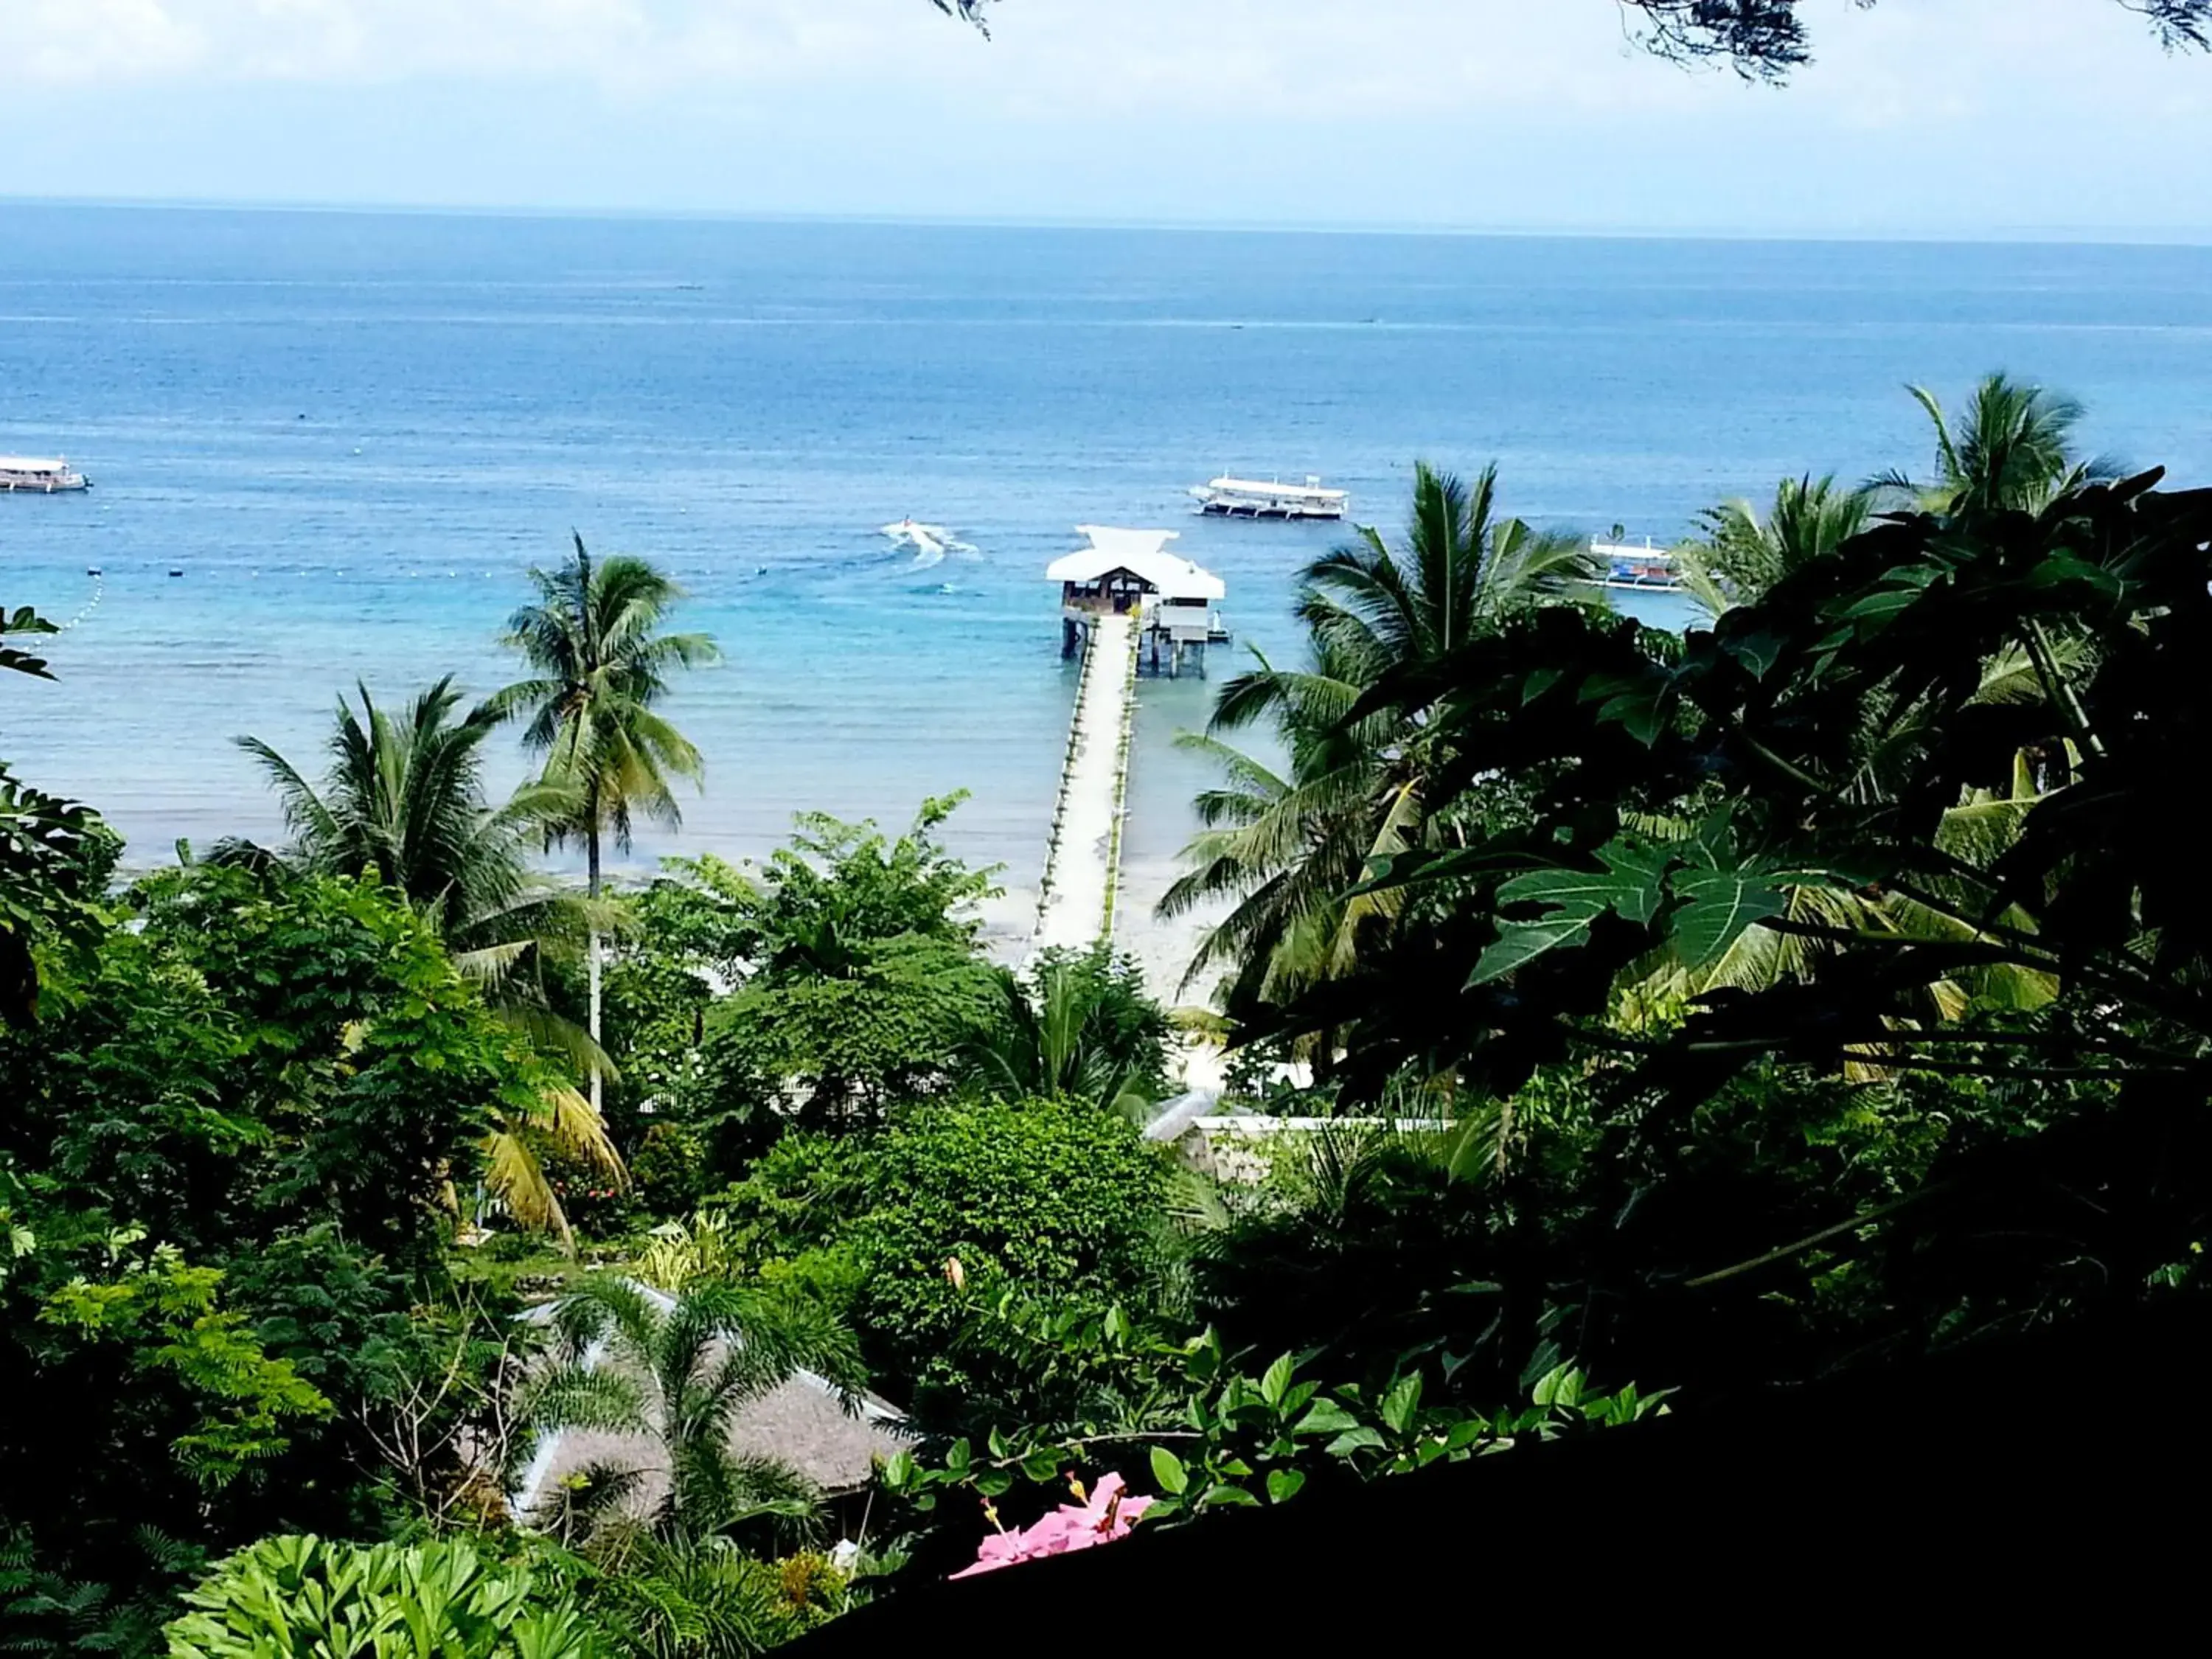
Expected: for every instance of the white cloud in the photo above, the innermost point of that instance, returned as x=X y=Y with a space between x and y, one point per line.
x=1518 y=112
x=1261 y=56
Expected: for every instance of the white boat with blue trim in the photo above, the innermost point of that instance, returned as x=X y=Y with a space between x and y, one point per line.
x=1645 y=569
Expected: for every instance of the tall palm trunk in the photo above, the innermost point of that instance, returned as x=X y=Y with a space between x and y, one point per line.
x=592 y=931
x=589 y=637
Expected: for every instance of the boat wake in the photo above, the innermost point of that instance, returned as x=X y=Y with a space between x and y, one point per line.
x=930 y=542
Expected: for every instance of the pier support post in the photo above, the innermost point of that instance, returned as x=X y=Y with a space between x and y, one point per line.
x=1066 y=638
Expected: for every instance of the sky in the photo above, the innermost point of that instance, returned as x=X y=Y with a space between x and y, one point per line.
x=1921 y=117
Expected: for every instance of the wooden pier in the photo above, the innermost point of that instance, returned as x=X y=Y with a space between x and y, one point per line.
x=1122 y=597
x=1082 y=862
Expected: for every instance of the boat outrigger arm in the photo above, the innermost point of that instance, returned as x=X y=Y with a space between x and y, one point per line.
x=1248 y=498
x=31 y=475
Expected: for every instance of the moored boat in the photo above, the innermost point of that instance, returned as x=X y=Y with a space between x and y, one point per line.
x=31 y=475
x=1646 y=569
x=1248 y=498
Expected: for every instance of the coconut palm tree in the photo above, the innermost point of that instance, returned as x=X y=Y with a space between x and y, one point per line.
x=1461 y=569
x=1283 y=843
x=672 y=1371
x=601 y=664
x=402 y=803
x=2014 y=449
x=404 y=800
x=1286 y=842
x=1080 y=1026
x=1740 y=555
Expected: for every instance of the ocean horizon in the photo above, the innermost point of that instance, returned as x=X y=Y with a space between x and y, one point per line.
x=352 y=432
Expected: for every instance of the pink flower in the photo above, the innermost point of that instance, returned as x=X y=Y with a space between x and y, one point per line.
x=1105 y=1515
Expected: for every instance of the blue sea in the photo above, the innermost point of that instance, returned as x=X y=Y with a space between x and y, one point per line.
x=353 y=433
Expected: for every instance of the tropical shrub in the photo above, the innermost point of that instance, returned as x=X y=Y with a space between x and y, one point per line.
x=839 y=978
x=307 y=1596
x=1216 y=1435
x=1059 y=1196
x=1078 y=1022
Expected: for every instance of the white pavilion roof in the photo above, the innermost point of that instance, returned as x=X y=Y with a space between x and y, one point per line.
x=1143 y=555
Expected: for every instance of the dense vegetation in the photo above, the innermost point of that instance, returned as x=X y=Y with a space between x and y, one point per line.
x=1685 y=1014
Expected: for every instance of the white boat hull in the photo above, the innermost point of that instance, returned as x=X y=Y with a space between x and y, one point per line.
x=1267 y=510
x=40 y=478
x=1244 y=498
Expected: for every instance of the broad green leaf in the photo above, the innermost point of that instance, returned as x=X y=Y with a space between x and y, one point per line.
x=1718 y=905
x=1284 y=1484
x=1327 y=1417
x=1521 y=942
x=1278 y=1378
x=1168 y=1472
x=1401 y=1403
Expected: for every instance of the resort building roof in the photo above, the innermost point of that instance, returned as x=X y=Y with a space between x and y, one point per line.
x=802 y=1424
x=1141 y=553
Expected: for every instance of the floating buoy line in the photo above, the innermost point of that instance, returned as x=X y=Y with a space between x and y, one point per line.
x=99 y=590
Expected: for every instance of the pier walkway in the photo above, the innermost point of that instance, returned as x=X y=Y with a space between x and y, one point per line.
x=1075 y=907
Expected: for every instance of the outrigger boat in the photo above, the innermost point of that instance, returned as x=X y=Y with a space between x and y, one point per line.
x=1247 y=498
x=29 y=475
x=1646 y=569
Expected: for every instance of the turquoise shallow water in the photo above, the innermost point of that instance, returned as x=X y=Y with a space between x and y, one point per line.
x=352 y=433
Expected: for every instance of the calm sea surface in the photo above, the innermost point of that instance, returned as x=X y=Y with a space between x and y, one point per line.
x=353 y=433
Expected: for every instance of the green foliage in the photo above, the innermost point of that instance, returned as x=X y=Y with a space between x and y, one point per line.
x=864 y=977
x=1058 y=1196
x=163 y=1316
x=1741 y=555
x=44 y=1612
x=225 y=1172
x=599 y=668
x=55 y=860
x=679 y=1372
x=1950 y=761
x=55 y=856
x=262 y=1051
x=403 y=803
x=887 y=1029
x=1082 y=1024
x=702 y=1600
x=23 y=623
x=1289 y=846
x=1218 y=1437
x=315 y=1598
x=686 y=938
x=144 y=1414
x=840 y=887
